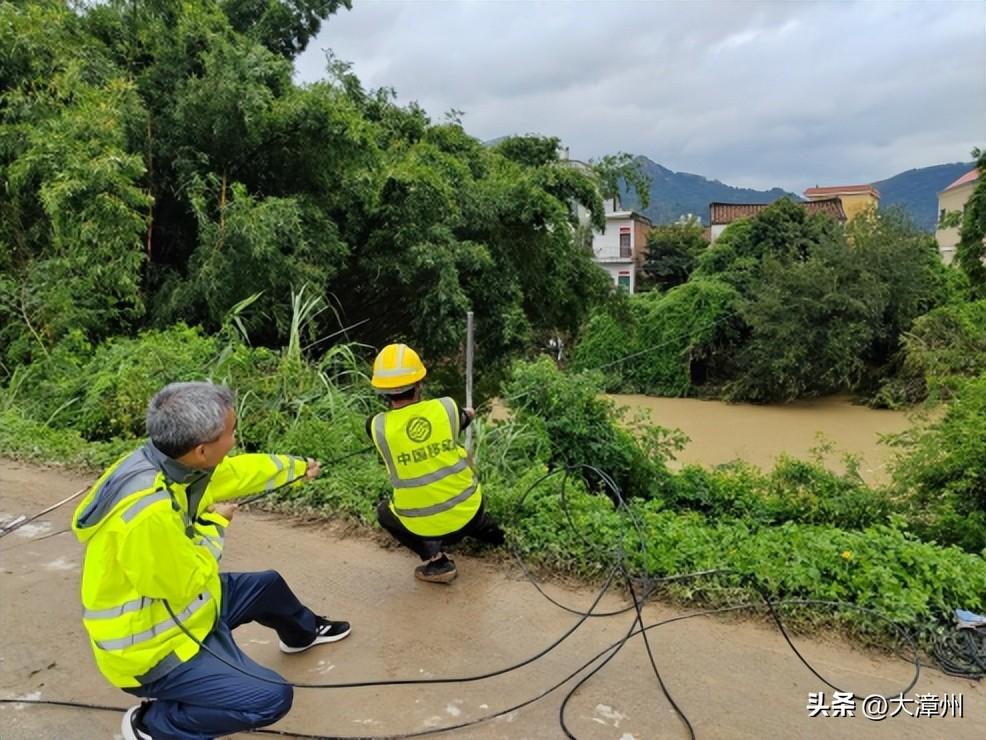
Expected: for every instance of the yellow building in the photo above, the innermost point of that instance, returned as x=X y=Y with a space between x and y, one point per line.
x=953 y=198
x=855 y=198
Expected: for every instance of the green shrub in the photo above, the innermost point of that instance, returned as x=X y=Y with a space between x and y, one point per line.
x=581 y=426
x=943 y=349
x=809 y=493
x=23 y=437
x=603 y=343
x=102 y=392
x=124 y=373
x=321 y=406
x=668 y=340
x=678 y=335
x=915 y=584
x=794 y=491
x=505 y=451
x=27 y=439
x=947 y=346
x=797 y=531
x=941 y=475
x=735 y=490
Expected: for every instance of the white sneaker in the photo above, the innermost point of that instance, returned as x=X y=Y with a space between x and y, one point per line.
x=327 y=631
x=131 y=727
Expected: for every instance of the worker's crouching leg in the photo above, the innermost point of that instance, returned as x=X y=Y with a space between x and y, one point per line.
x=214 y=694
x=484 y=528
x=424 y=548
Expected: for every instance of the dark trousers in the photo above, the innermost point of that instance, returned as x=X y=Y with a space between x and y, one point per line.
x=481 y=527
x=205 y=698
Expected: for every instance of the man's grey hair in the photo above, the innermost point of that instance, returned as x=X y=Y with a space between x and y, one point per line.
x=183 y=415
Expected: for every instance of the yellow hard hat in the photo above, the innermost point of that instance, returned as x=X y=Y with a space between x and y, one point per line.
x=396 y=369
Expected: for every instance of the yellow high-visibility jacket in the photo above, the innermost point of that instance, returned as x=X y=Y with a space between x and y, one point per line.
x=149 y=540
x=436 y=491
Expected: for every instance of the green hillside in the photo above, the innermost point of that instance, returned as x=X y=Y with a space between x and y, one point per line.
x=917 y=190
x=675 y=194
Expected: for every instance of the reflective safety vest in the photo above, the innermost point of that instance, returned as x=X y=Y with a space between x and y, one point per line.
x=150 y=541
x=435 y=489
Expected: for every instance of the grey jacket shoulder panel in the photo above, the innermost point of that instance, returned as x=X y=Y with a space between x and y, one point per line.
x=135 y=473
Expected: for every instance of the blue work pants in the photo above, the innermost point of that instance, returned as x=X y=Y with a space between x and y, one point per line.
x=204 y=698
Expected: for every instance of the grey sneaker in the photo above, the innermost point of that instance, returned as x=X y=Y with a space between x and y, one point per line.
x=327 y=631
x=437 y=571
x=131 y=726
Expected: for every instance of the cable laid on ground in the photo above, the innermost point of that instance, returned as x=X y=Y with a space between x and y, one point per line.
x=637 y=627
x=633 y=633
x=20 y=522
x=962 y=652
x=636 y=604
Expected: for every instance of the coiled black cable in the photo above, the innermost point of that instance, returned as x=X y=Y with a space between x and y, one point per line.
x=962 y=652
x=600 y=659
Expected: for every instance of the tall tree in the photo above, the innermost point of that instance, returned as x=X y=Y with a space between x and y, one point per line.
x=283 y=26
x=905 y=263
x=672 y=252
x=971 y=252
x=621 y=172
x=74 y=211
x=811 y=323
x=159 y=154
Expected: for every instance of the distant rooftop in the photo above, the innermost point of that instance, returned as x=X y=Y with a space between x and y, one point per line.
x=721 y=214
x=833 y=190
x=628 y=214
x=970 y=176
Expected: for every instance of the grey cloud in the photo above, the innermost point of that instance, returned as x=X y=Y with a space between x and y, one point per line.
x=756 y=94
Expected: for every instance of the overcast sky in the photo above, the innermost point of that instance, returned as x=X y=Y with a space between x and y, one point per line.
x=756 y=94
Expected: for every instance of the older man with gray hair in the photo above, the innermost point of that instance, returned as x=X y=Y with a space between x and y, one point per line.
x=158 y=612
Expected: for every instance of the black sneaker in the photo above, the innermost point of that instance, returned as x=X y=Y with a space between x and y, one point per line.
x=132 y=727
x=437 y=571
x=327 y=631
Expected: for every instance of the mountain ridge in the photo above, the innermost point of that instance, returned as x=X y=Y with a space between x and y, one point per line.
x=677 y=194
x=674 y=195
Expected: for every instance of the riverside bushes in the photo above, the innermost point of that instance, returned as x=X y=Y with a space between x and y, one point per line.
x=581 y=427
x=913 y=583
x=794 y=491
x=781 y=306
x=797 y=531
x=941 y=475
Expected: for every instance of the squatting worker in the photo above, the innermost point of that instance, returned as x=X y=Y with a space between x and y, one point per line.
x=437 y=498
x=153 y=528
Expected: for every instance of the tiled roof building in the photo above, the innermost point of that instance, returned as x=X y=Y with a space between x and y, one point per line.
x=723 y=214
x=856 y=199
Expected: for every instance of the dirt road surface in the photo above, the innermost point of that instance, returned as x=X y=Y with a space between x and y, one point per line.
x=733 y=678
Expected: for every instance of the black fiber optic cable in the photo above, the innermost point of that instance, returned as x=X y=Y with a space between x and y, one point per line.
x=637 y=627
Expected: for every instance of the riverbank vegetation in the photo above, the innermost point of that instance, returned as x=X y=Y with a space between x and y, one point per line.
x=176 y=208
x=799 y=531
x=786 y=305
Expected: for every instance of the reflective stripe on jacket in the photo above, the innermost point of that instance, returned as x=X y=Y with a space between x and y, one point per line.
x=435 y=489
x=150 y=541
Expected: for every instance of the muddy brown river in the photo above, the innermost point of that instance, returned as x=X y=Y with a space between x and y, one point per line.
x=720 y=432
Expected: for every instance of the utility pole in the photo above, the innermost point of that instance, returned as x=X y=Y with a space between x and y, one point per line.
x=469 y=343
